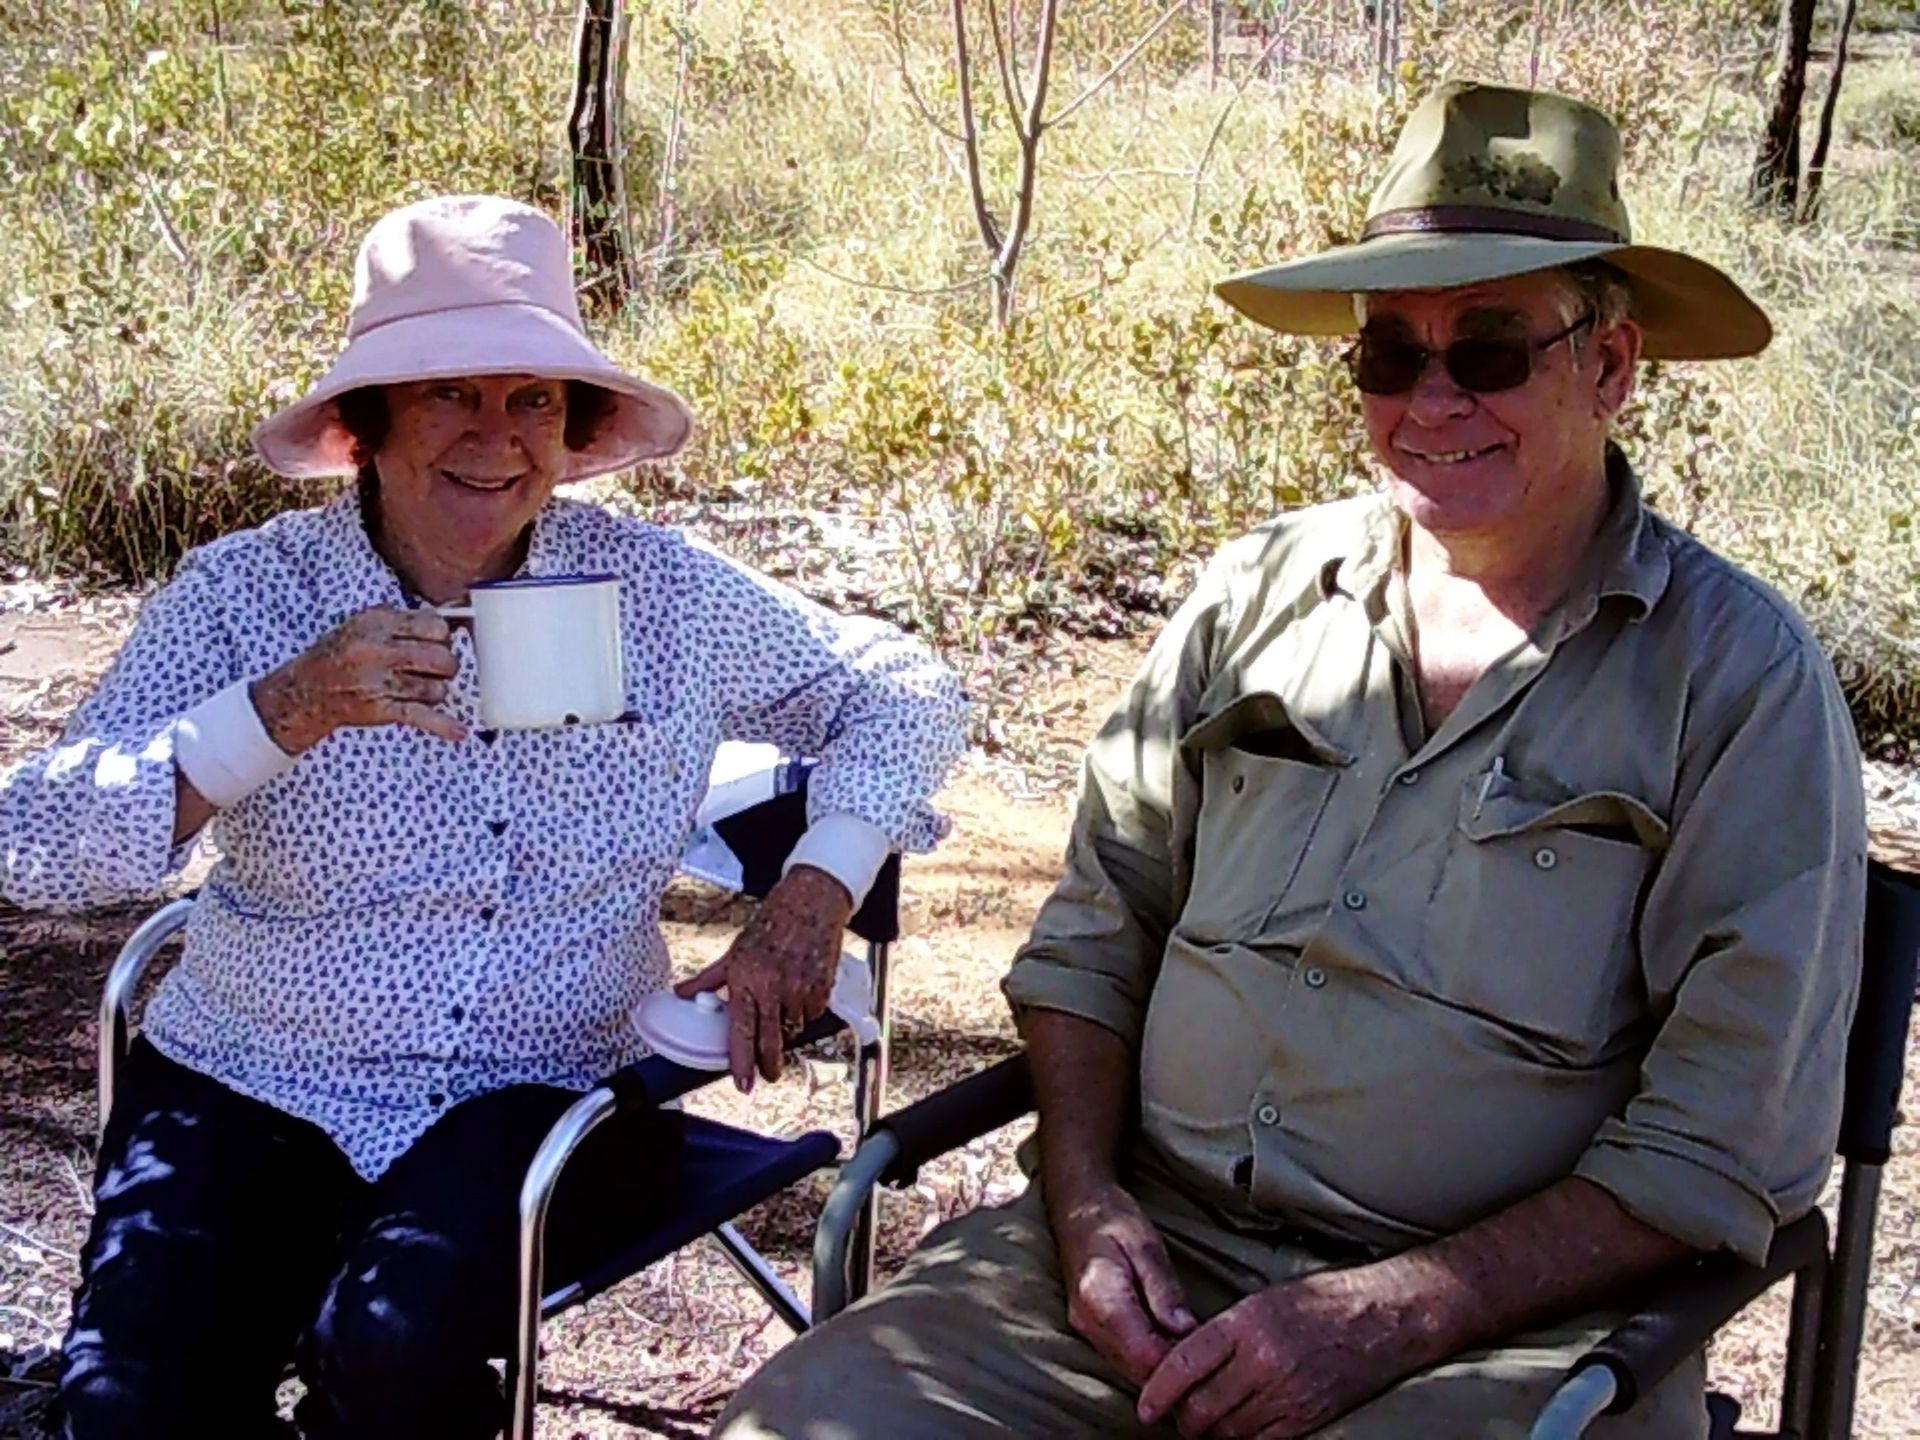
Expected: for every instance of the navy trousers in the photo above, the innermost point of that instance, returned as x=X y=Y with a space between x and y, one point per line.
x=229 y=1239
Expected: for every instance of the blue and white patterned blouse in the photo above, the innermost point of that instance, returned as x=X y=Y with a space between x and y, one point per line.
x=398 y=923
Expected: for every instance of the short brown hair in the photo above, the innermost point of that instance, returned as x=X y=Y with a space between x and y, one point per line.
x=365 y=415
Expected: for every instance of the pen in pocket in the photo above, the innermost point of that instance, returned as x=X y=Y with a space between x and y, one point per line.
x=1497 y=771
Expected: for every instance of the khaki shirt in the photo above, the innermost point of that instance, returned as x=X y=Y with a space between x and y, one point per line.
x=1605 y=921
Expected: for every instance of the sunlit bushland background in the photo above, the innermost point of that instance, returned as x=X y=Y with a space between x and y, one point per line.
x=182 y=184
x=1027 y=474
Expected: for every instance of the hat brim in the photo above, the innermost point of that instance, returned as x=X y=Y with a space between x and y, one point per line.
x=646 y=422
x=1687 y=309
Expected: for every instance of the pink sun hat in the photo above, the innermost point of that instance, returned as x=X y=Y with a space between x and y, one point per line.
x=463 y=285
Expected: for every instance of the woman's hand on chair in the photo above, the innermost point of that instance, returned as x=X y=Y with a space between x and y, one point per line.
x=779 y=970
x=383 y=666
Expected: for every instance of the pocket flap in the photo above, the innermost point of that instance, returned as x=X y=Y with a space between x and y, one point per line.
x=1510 y=809
x=1261 y=724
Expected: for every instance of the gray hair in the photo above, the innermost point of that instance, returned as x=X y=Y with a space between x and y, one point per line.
x=1601 y=288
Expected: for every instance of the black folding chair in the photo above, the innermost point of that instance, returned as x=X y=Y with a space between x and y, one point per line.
x=1675 y=1319
x=726 y=1170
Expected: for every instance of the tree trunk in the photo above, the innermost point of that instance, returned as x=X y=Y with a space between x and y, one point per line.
x=1775 y=182
x=1817 y=166
x=597 y=199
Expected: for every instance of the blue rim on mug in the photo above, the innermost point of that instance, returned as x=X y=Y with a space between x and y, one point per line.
x=541 y=582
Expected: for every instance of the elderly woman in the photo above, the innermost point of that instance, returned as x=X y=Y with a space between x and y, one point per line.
x=424 y=936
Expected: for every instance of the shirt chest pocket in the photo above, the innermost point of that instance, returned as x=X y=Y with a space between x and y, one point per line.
x=1266 y=778
x=1532 y=923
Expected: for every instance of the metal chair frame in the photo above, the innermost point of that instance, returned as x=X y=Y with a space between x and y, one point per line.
x=662 y=1083
x=1677 y=1317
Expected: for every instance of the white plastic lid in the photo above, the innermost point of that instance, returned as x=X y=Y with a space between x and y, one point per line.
x=688 y=1032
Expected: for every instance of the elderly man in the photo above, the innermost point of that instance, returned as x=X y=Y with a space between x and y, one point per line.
x=1461 y=917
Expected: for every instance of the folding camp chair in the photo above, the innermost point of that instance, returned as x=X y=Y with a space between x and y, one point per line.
x=1678 y=1317
x=748 y=826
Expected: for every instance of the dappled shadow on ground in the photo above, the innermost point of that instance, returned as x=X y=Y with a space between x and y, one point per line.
x=673 y=1421
x=51 y=971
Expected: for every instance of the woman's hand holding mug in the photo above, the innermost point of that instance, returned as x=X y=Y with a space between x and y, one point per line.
x=383 y=666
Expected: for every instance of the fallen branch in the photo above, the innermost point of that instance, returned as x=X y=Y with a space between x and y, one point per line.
x=25 y=1239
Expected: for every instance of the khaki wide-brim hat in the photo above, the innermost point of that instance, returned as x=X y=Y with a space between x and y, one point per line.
x=460 y=286
x=1489 y=182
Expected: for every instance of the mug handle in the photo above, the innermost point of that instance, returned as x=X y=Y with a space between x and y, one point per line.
x=454 y=612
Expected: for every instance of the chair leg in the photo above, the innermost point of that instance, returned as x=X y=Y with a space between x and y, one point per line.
x=1803 y=1349
x=755 y=1270
x=1844 y=1314
x=870 y=1093
x=536 y=1194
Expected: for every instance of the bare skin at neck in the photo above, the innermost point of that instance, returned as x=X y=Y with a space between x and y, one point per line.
x=439 y=577
x=1474 y=601
x=1503 y=490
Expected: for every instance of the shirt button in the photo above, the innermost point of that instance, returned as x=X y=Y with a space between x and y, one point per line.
x=1354 y=900
x=487 y=912
x=1410 y=777
x=457 y=1014
x=1239 y=783
x=487 y=737
x=1316 y=977
x=498 y=827
x=436 y=1099
x=1267 y=1115
x=1545 y=857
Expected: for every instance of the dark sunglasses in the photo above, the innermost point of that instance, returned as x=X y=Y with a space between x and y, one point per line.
x=1388 y=365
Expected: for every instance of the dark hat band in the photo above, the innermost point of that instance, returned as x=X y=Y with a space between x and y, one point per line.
x=1488 y=219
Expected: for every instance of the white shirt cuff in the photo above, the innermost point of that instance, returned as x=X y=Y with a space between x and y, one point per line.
x=848 y=848
x=222 y=747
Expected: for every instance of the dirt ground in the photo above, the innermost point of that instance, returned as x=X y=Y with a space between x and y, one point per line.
x=660 y=1354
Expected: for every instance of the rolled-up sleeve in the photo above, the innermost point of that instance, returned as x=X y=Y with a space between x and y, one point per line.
x=1096 y=946
x=1750 y=942
x=881 y=714
x=89 y=819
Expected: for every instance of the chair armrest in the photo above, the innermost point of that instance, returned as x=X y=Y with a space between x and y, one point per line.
x=116 y=995
x=951 y=1117
x=1676 y=1319
x=893 y=1154
x=655 y=1080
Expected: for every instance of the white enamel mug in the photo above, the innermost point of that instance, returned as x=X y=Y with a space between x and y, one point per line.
x=547 y=648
